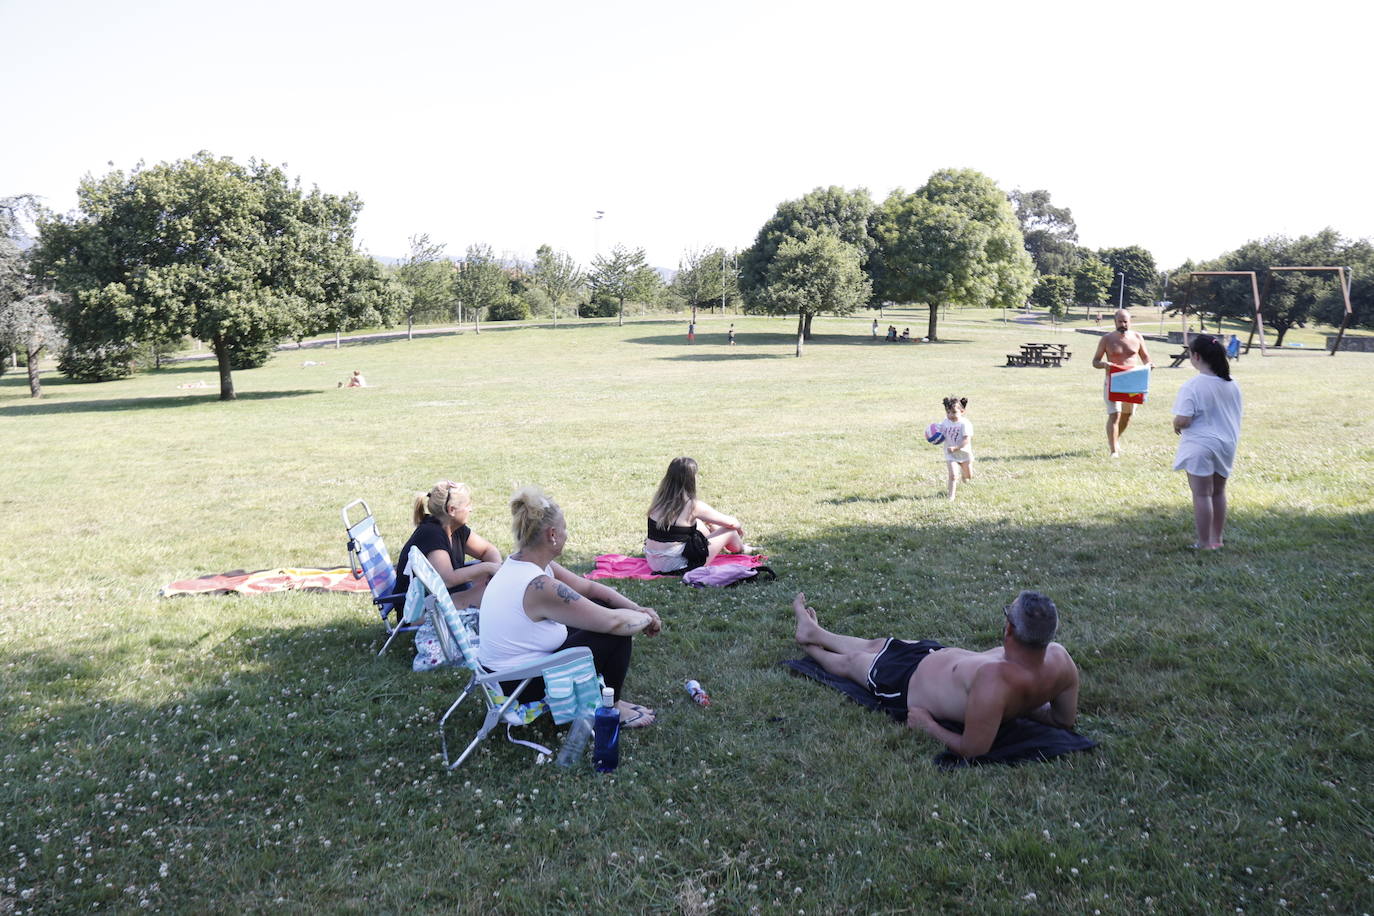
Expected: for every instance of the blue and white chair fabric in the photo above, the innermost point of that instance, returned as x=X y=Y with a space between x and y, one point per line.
x=572 y=685
x=368 y=559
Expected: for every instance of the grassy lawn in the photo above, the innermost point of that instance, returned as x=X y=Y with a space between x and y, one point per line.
x=244 y=754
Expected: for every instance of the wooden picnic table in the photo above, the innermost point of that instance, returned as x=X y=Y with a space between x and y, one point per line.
x=1039 y=354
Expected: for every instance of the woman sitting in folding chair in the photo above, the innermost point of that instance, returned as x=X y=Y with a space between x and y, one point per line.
x=533 y=606
x=443 y=536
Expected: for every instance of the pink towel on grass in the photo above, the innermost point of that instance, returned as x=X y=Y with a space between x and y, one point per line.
x=619 y=566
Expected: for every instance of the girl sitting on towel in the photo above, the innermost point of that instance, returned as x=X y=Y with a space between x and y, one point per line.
x=684 y=532
x=443 y=536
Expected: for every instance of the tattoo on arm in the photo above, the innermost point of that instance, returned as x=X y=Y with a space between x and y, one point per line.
x=538 y=584
x=567 y=594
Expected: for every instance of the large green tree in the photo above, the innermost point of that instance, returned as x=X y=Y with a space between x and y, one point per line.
x=557 y=275
x=1051 y=236
x=618 y=275
x=843 y=213
x=1091 y=279
x=481 y=282
x=706 y=277
x=428 y=275
x=1136 y=267
x=956 y=239
x=1053 y=293
x=818 y=274
x=238 y=256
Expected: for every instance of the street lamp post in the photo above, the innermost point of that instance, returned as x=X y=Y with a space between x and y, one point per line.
x=1121 y=295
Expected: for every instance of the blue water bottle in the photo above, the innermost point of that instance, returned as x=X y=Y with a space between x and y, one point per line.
x=606 y=732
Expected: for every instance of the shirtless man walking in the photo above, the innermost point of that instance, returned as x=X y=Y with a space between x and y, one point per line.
x=1124 y=349
x=1028 y=675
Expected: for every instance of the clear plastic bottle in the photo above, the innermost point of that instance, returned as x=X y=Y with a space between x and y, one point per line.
x=606 y=748
x=575 y=742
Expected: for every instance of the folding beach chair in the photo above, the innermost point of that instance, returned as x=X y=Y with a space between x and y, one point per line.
x=571 y=684
x=367 y=557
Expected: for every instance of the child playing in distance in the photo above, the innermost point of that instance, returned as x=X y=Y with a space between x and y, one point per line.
x=958 y=443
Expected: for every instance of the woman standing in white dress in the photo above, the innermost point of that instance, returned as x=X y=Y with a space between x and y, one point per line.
x=1207 y=420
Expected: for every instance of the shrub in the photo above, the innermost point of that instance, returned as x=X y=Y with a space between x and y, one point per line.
x=512 y=309
x=97 y=364
x=601 y=306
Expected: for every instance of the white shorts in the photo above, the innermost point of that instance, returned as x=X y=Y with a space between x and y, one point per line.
x=1114 y=407
x=1204 y=457
x=959 y=456
x=666 y=559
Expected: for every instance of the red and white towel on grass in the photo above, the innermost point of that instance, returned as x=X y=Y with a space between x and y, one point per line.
x=619 y=566
x=239 y=582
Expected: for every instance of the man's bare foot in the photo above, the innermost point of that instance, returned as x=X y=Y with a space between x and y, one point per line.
x=806 y=618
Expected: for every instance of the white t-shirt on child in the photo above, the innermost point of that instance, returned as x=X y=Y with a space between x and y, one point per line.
x=956 y=431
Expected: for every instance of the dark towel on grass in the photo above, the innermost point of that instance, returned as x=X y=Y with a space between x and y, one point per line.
x=1017 y=741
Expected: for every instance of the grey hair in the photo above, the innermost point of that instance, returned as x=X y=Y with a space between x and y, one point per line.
x=1034 y=619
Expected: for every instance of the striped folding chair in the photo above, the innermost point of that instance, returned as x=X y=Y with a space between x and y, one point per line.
x=368 y=559
x=572 y=686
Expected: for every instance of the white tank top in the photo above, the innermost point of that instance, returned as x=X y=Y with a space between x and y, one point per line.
x=509 y=639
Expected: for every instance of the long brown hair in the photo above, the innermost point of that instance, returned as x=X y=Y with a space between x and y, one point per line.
x=676 y=491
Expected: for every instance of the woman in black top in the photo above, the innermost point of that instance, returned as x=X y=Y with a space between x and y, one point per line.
x=684 y=532
x=443 y=536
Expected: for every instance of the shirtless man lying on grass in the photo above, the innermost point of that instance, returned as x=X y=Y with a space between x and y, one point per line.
x=1028 y=675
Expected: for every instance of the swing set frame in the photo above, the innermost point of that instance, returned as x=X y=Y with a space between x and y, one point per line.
x=1343 y=276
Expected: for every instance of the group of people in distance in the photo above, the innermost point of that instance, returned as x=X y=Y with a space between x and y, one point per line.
x=892 y=334
x=1207 y=412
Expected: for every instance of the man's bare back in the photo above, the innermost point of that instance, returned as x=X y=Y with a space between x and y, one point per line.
x=943 y=681
x=980 y=689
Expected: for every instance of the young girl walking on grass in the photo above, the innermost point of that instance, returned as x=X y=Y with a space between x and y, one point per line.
x=958 y=441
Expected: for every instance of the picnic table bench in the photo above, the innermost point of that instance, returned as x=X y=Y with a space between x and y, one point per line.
x=1039 y=354
x=1179 y=358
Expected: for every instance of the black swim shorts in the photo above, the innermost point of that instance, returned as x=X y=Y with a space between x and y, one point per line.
x=891 y=670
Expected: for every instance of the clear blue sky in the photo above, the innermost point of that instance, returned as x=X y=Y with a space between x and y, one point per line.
x=1184 y=127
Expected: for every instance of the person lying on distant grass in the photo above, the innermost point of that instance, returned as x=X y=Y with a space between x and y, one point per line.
x=1028 y=675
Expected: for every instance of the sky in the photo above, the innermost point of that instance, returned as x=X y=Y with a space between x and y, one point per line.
x=1186 y=128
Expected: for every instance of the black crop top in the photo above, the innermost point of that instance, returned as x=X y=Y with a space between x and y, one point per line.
x=670 y=534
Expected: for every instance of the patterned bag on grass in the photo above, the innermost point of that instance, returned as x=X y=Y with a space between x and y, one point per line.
x=572 y=689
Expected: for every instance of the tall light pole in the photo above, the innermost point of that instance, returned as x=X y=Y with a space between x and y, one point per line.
x=1121 y=298
x=596 y=232
x=722 y=281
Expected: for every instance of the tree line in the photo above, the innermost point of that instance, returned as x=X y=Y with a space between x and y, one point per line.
x=241 y=257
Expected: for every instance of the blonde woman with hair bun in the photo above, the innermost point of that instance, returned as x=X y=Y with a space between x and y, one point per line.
x=533 y=606
x=443 y=536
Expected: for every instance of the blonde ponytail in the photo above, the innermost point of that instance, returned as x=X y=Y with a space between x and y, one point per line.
x=436 y=501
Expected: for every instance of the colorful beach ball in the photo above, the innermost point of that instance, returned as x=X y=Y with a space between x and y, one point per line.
x=933 y=434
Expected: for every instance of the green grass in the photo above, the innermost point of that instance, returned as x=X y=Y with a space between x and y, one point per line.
x=229 y=754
